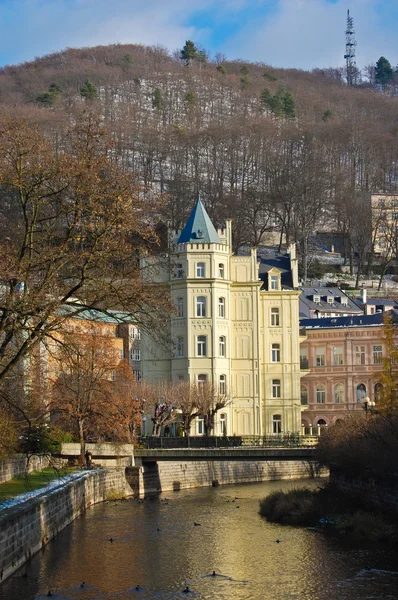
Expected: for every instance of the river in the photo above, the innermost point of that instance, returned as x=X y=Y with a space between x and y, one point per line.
x=156 y=546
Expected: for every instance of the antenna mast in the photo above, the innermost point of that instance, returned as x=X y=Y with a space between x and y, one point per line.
x=350 y=43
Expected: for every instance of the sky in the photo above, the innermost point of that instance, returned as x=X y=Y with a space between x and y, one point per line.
x=302 y=34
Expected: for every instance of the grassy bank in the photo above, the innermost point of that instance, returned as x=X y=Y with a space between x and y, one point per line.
x=30 y=482
x=329 y=508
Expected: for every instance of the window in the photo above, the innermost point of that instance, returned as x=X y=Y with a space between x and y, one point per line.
x=361 y=392
x=304 y=358
x=276 y=353
x=330 y=299
x=135 y=354
x=200 y=270
x=320 y=357
x=344 y=301
x=380 y=203
x=121 y=355
x=378 y=389
x=320 y=394
x=339 y=394
x=276 y=424
x=221 y=308
x=137 y=375
x=304 y=394
x=395 y=215
x=221 y=271
x=179 y=271
x=201 y=306
x=135 y=333
x=221 y=345
x=359 y=355
x=274 y=282
x=276 y=388
x=202 y=378
x=338 y=356
x=200 y=425
x=317 y=299
x=223 y=424
x=275 y=317
x=201 y=343
x=377 y=354
x=180 y=307
x=180 y=347
x=223 y=385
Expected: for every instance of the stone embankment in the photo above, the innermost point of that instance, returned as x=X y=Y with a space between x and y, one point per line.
x=169 y=476
x=26 y=527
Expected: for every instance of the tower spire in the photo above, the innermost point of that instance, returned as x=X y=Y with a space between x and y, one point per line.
x=350 y=43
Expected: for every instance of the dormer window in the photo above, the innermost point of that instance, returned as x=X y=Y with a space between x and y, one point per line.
x=317 y=299
x=200 y=270
x=330 y=299
x=274 y=282
x=344 y=301
x=199 y=234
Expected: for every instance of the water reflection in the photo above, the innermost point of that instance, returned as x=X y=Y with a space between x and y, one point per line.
x=157 y=546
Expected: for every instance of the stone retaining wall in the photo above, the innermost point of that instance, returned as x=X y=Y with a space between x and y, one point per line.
x=16 y=465
x=165 y=476
x=25 y=528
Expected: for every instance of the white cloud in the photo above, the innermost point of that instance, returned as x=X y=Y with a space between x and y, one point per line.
x=310 y=33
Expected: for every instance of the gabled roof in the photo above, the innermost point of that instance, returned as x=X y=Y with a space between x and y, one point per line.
x=199 y=227
x=275 y=260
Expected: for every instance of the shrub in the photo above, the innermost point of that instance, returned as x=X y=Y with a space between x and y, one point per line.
x=295 y=507
x=113 y=495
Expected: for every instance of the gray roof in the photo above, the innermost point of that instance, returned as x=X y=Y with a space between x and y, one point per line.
x=279 y=261
x=307 y=303
x=199 y=227
x=353 y=321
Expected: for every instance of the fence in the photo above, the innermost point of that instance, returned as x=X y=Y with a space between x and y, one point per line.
x=272 y=441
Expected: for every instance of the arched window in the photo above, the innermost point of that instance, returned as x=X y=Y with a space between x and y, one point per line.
x=275 y=317
x=221 y=343
x=200 y=269
x=339 y=394
x=223 y=424
x=361 y=392
x=223 y=385
x=201 y=306
x=320 y=394
x=378 y=391
x=321 y=422
x=221 y=308
x=304 y=394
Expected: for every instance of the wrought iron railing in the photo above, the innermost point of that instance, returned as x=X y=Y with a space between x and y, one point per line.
x=287 y=440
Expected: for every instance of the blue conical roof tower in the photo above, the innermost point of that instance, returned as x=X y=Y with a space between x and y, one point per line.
x=199 y=227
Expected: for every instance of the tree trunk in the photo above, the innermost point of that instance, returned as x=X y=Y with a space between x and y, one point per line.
x=82 y=441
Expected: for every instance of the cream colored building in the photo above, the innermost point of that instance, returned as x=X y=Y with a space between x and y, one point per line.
x=385 y=223
x=236 y=325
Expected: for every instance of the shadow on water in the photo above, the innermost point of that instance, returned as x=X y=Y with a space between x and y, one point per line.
x=156 y=546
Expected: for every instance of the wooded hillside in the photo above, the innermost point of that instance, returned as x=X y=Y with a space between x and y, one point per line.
x=267 y=147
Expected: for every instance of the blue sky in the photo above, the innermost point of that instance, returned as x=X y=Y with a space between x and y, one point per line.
x=287 y=33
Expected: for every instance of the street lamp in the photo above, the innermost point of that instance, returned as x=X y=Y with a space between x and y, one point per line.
x=368 y=405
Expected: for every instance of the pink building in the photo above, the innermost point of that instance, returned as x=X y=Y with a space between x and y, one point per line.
x=340 y=359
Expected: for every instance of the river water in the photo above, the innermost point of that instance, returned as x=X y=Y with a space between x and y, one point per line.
x=157 y=546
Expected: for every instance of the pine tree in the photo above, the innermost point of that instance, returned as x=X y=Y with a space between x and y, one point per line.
x=88 y=91
x=189 y=53
x=278 y=103
x=221 y=69
x=289 y=105
x=266 y=98
x=51 y=97
x=157 y=99
x=384 y=71
x=190 y=99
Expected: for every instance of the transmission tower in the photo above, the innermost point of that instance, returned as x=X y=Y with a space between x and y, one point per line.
x=350 y=43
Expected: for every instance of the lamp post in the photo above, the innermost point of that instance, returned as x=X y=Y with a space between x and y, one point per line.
x=368 y=405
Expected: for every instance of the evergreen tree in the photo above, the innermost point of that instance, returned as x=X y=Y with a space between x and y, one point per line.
x=266 y=98
x=289 y=105
x=189 y=52
x=51 y=97
x=327 y=114
x=190 y=99
x=277 y=103
x=269 y=76
x=384 y=71
x=157 y=99
x=221 y=69
x=88 y=91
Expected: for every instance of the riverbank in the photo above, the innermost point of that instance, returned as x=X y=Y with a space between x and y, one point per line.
x=351 y=514
x=28 y=526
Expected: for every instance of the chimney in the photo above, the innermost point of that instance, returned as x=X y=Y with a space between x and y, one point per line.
x=364 y=296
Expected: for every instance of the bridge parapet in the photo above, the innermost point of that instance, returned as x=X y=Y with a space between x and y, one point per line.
x=275 y=441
